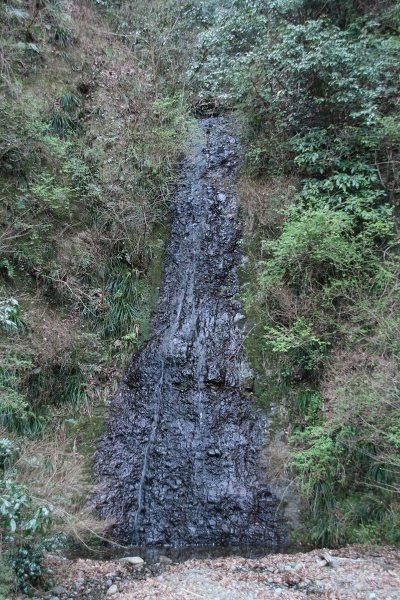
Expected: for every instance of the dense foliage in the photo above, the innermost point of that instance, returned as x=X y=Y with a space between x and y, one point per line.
x=90 y=136
x=317 y=84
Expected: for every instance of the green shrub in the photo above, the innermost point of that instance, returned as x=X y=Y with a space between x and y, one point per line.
x=314 y=245
x=26 y=562
x=22 y=521
x=314 y=83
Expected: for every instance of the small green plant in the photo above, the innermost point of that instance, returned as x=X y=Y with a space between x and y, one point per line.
x=50 y=194
x=6 y=453
x=97 y=112
x=26 y=563
x=10 y=315
x=6 y=267
x=63 y=123
x=61 y=37
x=22 y=521
x=69 y=102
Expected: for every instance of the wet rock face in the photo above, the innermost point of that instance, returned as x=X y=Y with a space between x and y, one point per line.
x=179 y=460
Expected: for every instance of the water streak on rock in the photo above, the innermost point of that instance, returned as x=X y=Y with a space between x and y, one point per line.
x=179 y=462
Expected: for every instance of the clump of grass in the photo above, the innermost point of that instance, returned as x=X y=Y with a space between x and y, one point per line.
x=10 y=316
x=43 y=491
x=62 y=123
x=61 y=37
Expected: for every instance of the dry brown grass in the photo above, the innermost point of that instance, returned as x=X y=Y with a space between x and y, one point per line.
x=275 y=457
x=56 y=476
x=263 y=203
x=48 y=336
x=351 y=372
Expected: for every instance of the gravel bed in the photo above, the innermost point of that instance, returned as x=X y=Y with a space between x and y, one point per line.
x=351 y=572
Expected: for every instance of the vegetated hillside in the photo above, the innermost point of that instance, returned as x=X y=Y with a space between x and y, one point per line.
x=90 y=136
x=93 y=119
x=317 y=86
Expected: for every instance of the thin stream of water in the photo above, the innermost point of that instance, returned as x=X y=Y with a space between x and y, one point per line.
x=179 y=464
x=158 y=395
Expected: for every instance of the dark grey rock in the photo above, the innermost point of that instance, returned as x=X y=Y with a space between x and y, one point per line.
x=179 y=413
x=214 y=452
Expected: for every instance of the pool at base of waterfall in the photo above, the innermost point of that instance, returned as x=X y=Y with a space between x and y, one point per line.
x=151 y=555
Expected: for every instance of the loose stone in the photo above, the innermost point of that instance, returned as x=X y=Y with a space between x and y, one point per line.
x=359 y=587
x=133 y=560
x=113 y=589
x=58 y=590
